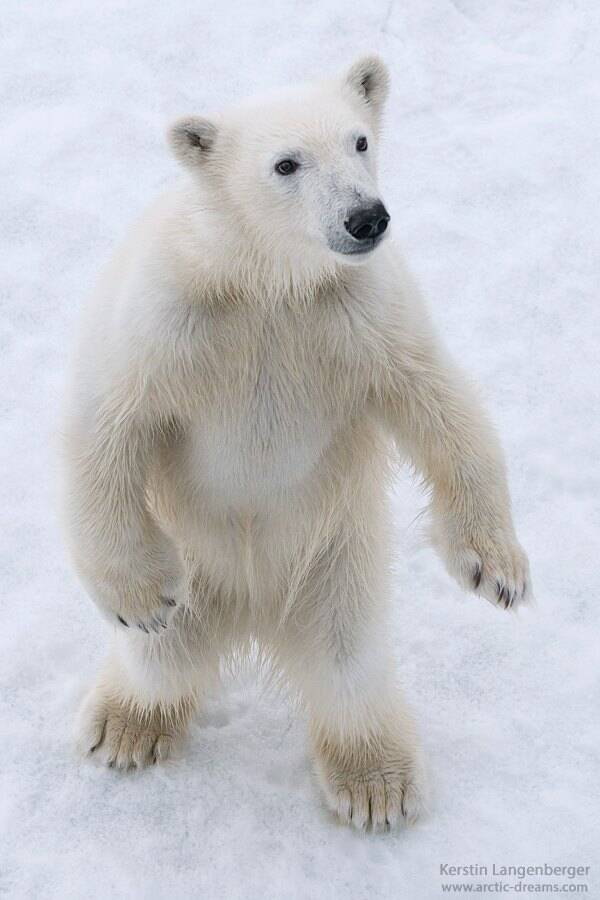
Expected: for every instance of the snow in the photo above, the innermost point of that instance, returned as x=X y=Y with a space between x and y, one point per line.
x=490 y=170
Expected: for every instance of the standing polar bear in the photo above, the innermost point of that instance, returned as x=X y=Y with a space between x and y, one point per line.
x=248 y=361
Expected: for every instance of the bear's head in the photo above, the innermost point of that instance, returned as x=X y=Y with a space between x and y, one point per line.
x=294 y=175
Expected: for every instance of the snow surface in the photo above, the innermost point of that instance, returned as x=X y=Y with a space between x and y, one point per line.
x=490 y=169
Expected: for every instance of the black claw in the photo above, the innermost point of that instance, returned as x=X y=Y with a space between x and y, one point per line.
x=169 y=601
x=143 y=628
x=95 y=747
x=122 y=621
x=477 y=576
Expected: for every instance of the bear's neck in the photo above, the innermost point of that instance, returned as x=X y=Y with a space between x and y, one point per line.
x=263 y=280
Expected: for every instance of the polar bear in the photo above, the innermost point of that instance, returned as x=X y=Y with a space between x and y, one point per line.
x=250 y=361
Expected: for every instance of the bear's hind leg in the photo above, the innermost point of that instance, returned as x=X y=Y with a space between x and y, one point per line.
x=336 y=651
x=138 y=710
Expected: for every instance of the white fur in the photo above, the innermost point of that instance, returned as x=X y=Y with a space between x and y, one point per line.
x=237 y=392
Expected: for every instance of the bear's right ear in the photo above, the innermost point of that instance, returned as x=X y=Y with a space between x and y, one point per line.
x=192 y=140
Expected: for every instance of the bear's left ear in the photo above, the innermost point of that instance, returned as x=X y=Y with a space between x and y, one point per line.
x=192 y=140
x=369 y=79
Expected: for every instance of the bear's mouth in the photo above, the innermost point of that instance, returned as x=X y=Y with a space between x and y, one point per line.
x=355 y=248
x=363 y=247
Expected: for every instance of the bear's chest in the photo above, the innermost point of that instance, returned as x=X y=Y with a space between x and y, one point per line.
x=278 y=396
x=264 y=440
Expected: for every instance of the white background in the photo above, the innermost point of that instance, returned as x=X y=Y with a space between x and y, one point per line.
x=490 y=170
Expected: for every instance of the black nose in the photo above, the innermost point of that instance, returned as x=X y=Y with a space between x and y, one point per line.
x=367 y=221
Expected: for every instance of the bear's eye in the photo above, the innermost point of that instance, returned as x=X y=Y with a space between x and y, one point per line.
x=286 y=166
x=362 y=144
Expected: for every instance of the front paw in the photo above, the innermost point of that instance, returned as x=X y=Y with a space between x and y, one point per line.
x=150 y=613
x=144 y=592
x=489 y=562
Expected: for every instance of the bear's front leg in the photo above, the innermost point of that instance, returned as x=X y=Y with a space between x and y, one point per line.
x=131 y=569
x=440 y=425
x=335 y=648
x=480 y=550
x=472 y=527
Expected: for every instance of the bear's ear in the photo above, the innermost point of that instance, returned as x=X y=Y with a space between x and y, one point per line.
x=192 y=140
x=369 y=79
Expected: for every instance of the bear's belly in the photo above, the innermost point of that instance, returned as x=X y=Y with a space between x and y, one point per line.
x=257 y=459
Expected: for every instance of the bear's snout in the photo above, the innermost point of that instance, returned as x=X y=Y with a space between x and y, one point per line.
x=367 y=222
